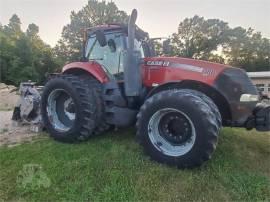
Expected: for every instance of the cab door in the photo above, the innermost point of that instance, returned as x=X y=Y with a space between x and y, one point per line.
x=109 y=56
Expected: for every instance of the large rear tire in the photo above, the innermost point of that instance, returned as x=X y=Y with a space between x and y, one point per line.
x=69 y=108
x=102 y=125
x=178 y=128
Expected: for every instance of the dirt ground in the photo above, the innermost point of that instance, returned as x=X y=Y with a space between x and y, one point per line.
x=8 y=97
x=11 y=133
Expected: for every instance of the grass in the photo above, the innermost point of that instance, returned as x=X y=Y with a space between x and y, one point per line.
x=113 y=167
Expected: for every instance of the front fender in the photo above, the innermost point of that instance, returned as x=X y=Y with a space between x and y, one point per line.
x=92 y=68
x=213 y=93
x=233 y=83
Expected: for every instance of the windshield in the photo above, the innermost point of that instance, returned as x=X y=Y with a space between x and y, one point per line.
x=111 y=56
x=108 y=56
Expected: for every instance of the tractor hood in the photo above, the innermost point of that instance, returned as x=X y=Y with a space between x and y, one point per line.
x=158 y=70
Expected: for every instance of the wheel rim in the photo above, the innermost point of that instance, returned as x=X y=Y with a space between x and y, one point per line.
x=61 y=110
x=172 y=132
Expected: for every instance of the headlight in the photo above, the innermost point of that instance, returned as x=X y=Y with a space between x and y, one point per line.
x=249 y=98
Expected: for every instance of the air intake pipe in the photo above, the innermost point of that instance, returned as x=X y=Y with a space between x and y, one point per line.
x=132 y=71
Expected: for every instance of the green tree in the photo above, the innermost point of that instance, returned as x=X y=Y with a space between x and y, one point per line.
x=94 y=13
x=215 y=41
x=198 y=38
x=20 y=68
x=247 y=49
x=32 y=30
x=42 y=59
x=6 y=49
x=13 y=29
x=24 y=56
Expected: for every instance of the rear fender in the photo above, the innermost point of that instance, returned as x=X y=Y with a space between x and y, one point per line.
x=93 y=68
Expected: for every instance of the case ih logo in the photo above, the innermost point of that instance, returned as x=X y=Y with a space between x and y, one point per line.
x=158 y=63
x=192 y=68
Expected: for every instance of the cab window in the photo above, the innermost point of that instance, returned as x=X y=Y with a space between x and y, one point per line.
x=138 y=47
x=108 y=56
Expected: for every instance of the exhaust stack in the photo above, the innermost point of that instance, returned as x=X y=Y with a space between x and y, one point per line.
x=132 y=75
x=131 y=29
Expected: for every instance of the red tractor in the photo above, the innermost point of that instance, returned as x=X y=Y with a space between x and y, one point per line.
x=178 y=104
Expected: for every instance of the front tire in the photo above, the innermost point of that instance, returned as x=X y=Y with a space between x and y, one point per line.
x=177 y=128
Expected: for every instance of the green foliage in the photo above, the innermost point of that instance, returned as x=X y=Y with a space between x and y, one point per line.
x=23 y=56
x=158 y=47
x=94 y=13
x=197 y=37
x=13 y=29
x=215 y=41
x=248 y=49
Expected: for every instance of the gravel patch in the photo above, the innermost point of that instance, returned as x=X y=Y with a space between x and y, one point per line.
x=12 y=133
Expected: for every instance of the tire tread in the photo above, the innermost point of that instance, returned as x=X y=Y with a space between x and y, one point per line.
x=206 y=108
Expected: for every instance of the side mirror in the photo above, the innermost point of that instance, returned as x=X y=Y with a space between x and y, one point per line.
x=101 y=38
x=166 y=46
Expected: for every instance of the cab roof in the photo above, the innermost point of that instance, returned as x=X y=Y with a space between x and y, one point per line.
x=139 y=33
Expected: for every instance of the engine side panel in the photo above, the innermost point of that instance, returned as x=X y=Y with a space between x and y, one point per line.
x=93 y=68
x=161 y=70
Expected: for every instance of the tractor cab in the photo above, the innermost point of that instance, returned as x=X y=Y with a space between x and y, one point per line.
x=108 y=46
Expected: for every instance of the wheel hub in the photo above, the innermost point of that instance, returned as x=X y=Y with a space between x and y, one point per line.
x=171 y=131
x=61 y=110
x=175 y=128
x=69 y=109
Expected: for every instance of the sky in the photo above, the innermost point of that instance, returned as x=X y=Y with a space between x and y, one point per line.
x=159 y=18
